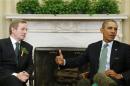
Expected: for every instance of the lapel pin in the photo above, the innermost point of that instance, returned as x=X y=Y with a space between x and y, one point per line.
x=115 y=49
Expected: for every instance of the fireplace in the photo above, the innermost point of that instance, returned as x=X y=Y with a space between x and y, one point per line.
x=48 y=32
x=47 y=73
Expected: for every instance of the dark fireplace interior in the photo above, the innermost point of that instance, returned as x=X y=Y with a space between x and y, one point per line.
x=48 y=73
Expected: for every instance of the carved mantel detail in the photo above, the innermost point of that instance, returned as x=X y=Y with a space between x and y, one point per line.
x=66 y=30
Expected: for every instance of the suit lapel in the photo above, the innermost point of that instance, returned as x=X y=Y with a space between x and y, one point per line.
x=10 y=46
x=22 y=54
x=97 y=54
x=10 y=49
x=98 y=49
x=114 y=52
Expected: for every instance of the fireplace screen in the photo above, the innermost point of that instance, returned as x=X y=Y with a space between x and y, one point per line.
x=48 y=73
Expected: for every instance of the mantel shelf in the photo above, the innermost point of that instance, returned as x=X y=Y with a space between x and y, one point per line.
x=66 y=16
x=66 y=30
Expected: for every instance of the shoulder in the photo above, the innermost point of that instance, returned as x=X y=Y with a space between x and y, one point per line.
x=26 y=44
x=121 y=44
x=98 y=43
x=4 y=41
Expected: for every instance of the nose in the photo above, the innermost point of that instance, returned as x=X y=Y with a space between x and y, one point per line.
x=25 y=31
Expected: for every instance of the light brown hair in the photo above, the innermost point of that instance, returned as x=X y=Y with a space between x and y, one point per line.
x=15 y=24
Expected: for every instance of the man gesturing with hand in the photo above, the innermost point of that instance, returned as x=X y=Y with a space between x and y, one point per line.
x=59 y=58
x=109 y=59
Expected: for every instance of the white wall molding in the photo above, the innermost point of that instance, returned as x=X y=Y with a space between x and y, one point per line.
x=66 y=16
x=66 y=30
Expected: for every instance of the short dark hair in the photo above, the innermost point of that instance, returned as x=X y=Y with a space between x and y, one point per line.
x=14 y=24
x=106 y=21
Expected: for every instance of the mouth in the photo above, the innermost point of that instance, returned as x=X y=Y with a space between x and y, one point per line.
x=112 y=36
x=23 y=35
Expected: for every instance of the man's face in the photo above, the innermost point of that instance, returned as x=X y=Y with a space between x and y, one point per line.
x=21 y=31
x=109 y=31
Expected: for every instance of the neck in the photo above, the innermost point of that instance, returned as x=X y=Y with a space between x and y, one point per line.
x=14 y=37
x=107 y=41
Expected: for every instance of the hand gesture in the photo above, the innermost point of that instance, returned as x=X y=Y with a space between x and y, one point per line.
x=59 y=58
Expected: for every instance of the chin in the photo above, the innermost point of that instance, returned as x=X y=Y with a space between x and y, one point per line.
x=111 y=40
x=22 y=38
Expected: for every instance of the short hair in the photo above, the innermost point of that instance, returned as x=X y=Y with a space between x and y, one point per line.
x=106 y=21
x=14 y=24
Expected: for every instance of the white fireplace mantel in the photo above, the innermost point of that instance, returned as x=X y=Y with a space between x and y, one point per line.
x=66 y=16
x=66 y=30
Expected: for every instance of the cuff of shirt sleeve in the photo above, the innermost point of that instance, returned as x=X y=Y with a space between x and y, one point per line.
x=121 y=76
x=15 y=74
x=64 y=62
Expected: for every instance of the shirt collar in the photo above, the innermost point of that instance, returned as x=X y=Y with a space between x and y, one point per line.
x=109 y=44
x=13 y=40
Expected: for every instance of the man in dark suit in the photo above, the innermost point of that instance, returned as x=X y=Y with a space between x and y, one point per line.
x=117 y=66
x=16 y=65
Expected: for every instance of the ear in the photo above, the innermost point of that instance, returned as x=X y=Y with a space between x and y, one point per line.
x=13 y=29
x=101 y=30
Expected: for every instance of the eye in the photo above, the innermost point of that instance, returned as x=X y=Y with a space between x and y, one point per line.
x=24 y=29
x=115 y=28
x=109 y=28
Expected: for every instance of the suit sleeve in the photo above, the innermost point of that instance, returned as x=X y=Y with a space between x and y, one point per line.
x=30 y=65
x=77 y=61
x=126 y=74
x=0 y=57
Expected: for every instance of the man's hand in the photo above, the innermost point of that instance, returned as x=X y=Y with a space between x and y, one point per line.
x=23 y=76
x=60 y=59
x=113 y=74
x=84 y=75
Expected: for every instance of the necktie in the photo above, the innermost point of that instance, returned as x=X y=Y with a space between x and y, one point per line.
x=103 y=59
x=17 y=50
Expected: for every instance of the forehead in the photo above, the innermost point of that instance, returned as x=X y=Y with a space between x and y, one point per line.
x=22 y=25
x=111 y=24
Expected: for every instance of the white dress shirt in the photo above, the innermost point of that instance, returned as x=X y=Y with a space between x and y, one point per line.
x=108 y=53
x=13 y=42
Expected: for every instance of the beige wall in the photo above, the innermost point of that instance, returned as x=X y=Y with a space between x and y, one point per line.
x=126 y=10
x=6 y=7
x=9 y=7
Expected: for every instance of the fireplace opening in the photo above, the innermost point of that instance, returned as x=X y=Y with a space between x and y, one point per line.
x=48 y=73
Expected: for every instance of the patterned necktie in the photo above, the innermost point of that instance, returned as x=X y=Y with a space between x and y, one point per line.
x=103 y=59
x=17 y=50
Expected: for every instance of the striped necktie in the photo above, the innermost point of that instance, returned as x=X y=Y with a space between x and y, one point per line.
x=17 y=50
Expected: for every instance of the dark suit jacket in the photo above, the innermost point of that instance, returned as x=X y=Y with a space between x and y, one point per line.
x=8 y=64
x=119 y=59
